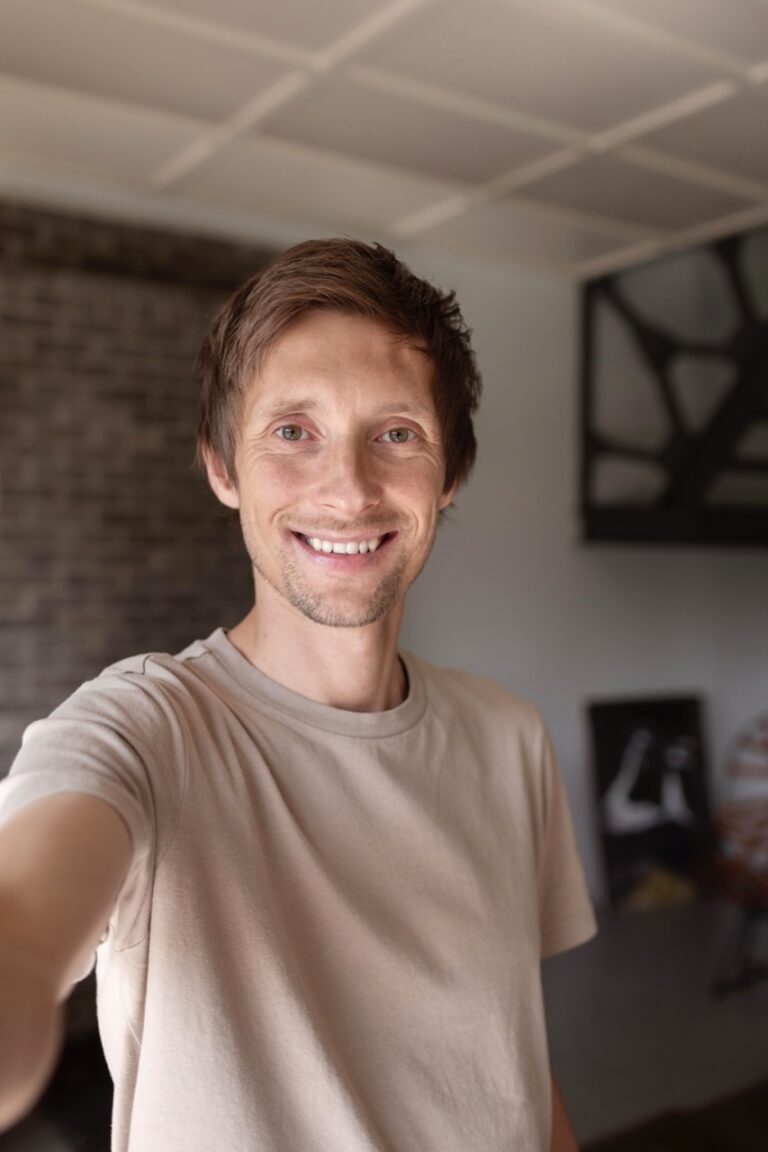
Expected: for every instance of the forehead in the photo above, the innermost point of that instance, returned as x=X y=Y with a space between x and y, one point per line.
x=351 y=356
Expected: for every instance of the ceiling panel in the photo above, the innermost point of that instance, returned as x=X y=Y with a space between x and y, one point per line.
x=732 y=136
x=52 y=127
x=107 y=54
x=513 y=231
x=736 y=28
x=547 y=62
x=268 y=176
x=609 y=186
x=312 y=25
x=349 y=118
x=268 y=106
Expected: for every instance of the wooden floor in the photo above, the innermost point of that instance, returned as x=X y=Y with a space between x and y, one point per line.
x=634 y=1030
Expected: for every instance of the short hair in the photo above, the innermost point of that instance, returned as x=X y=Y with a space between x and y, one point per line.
x=352 y=277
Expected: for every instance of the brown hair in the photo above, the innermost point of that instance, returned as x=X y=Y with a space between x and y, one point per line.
x=348 y=276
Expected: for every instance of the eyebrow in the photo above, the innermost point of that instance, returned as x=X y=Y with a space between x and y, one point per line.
x=310 y=403
x=280 y=407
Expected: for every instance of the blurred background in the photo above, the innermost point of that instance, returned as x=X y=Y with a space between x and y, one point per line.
x=591 y=177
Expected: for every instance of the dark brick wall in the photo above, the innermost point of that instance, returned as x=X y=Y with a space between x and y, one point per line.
x=111 y=545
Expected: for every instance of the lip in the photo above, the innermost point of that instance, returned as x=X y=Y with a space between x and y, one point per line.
x=338 y=560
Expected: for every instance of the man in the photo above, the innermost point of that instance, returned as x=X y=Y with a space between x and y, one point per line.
x=320 y=872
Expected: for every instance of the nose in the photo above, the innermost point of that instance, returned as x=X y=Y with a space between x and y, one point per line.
x=349 y=483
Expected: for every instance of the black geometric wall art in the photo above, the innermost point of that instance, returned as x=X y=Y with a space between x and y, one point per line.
x=674 y=415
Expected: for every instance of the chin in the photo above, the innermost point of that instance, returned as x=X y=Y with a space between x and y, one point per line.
x=341 y=612
x=334 y=615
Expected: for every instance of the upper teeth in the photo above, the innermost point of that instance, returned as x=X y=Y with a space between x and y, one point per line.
x=343 y=549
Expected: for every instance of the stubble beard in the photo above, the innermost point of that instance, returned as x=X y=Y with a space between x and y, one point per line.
x=320 y=607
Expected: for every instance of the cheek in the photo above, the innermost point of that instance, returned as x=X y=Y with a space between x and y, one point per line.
x=421 y=483
x=273 y=479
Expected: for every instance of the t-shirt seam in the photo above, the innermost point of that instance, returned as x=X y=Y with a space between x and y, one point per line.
x=182 y=798
x=185 y=767
x=133 y=944
x=188 y=659
x=127 y=1014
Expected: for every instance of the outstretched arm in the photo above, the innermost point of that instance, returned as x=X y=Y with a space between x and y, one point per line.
x=563 y=1136
x=62 y=862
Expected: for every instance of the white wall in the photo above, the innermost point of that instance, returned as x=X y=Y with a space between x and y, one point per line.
x=511 y=593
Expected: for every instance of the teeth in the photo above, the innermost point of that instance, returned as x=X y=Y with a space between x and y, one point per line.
x=350 y=549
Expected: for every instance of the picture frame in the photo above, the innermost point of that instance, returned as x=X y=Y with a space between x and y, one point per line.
x=654 y=813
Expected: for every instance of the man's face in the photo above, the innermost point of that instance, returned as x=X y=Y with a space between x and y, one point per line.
x=340 y=444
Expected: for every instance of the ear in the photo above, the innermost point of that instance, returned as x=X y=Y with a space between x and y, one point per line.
x=218 y=478
x=447 y=497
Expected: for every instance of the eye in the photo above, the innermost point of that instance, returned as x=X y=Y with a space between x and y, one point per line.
x=290 y=432
x=400 y=435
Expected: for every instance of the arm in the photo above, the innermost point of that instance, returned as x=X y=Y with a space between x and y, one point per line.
x=63 y=861
x=563 y=1136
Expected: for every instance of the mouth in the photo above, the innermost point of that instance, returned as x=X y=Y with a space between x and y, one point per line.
x=346 y=553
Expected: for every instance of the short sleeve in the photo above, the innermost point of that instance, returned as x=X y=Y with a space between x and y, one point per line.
x=566 y=914
x=114 y=739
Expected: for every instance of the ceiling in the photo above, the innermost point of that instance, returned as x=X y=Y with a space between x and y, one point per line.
x=575 y=135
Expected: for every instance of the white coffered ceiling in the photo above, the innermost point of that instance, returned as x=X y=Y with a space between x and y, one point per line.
x=578 y=135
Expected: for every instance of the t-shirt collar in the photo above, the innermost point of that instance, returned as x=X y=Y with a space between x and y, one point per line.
x=263 y=689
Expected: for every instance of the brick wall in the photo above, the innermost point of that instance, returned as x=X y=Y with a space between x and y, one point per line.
x=111 y=545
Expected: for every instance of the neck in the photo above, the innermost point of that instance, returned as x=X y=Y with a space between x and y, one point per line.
x=357 y=669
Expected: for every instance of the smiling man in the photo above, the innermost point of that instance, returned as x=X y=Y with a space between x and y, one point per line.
x=319 y=872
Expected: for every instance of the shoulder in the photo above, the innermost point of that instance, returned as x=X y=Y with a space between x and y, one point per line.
x=470 y=694
x=147 y=694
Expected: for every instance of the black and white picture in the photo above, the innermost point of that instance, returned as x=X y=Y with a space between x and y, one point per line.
x=654 y=814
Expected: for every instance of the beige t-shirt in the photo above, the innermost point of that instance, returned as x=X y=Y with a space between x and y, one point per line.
x=329 y=940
